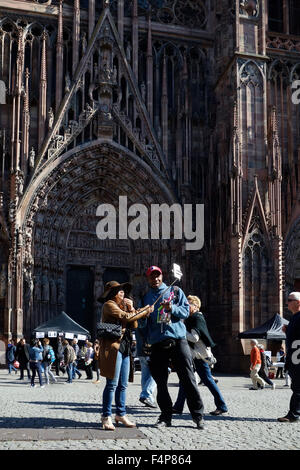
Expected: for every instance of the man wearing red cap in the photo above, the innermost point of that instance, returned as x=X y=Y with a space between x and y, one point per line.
x=166 y=332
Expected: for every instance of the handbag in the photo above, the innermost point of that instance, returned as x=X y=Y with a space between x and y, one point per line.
x=201 y=351
x=109 y=330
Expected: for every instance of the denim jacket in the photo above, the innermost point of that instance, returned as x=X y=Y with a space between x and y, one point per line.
x=36 y=353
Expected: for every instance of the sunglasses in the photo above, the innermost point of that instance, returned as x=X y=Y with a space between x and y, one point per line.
x=291 y=300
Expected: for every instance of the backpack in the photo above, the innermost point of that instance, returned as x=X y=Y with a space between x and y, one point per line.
x=46 y=354
x=51 y=354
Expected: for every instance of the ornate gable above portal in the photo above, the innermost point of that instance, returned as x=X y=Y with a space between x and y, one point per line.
x=94 y=103
x=255 y=218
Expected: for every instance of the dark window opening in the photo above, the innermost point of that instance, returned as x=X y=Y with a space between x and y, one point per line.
x=276 y=16
x=295 y=17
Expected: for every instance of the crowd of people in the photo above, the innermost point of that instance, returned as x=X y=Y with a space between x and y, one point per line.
x=40 y=358
x=170 y=333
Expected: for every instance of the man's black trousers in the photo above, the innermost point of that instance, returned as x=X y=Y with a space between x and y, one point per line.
x=182 y=362
x=294 y=373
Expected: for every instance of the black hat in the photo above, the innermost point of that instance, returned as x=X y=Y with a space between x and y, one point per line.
x=112 y=288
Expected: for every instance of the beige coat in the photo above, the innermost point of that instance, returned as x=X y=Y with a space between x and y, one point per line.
x=112 y=313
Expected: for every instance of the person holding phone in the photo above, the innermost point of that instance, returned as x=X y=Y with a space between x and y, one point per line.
x=116 y=363
x=166 y=333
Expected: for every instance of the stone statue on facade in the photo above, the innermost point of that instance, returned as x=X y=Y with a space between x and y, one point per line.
x=50 y=118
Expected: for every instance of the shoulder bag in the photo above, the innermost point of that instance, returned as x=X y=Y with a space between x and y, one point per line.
x=109 y=330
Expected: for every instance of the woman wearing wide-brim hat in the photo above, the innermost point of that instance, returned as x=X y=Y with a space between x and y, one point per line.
x=115 y=355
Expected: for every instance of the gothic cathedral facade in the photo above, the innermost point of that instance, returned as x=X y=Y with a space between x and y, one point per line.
x=165 y=102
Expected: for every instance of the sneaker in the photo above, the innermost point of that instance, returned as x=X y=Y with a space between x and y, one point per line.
x=273 y=386
x=161 y=423
x=148 y=402
x=32 y=385
x=199 y=423
x=42 y=386
x=252 y=388
x=217 y=412
x=287 y=419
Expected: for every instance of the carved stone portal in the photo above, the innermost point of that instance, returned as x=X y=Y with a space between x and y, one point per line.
x=60 y=227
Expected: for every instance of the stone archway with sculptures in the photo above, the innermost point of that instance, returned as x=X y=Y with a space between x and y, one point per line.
x=57 y=235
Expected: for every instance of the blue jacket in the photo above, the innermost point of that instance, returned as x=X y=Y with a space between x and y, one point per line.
x=35 y=353
x=156 y=332
x=10 y=352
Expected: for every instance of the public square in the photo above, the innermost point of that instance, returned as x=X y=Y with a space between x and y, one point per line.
x=67 y=417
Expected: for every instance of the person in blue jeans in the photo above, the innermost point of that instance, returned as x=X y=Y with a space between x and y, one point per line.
x=75 y=363
x=10 y=356
x=196 y=330
x=115 y=353
x=148 y=384
x=36 y=357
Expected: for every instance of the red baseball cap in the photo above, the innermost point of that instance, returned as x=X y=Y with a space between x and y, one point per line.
x=152 y=269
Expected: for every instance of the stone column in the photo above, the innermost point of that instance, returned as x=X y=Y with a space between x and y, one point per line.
x=43 y=93
x=59 y=59
x=76 y=36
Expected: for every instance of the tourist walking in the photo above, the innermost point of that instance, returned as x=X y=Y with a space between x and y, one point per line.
x=96 y=356
x=264 y=370
x=48 y=359
x=69 y=358
x=36 y=357
x=88 y=360
x=75 y=346
x=148 y=384
x=292 y=363
x=59 y=356
x=22 y=355
x=10 y=356
x=115 y=354
x=197 y=331
x=255 y=366
x=280 y=357
x=166 y=332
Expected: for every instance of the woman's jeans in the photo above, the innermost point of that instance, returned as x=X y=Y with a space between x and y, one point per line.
x=116 y=387
x=36 y=368
x=47 y=372
x=11 y=367
x=204 y=373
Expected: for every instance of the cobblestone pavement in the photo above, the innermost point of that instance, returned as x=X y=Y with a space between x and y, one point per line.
x=250 y=423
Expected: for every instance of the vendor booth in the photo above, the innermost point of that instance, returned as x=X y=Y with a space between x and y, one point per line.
x=61 y=325
x=271 y=329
